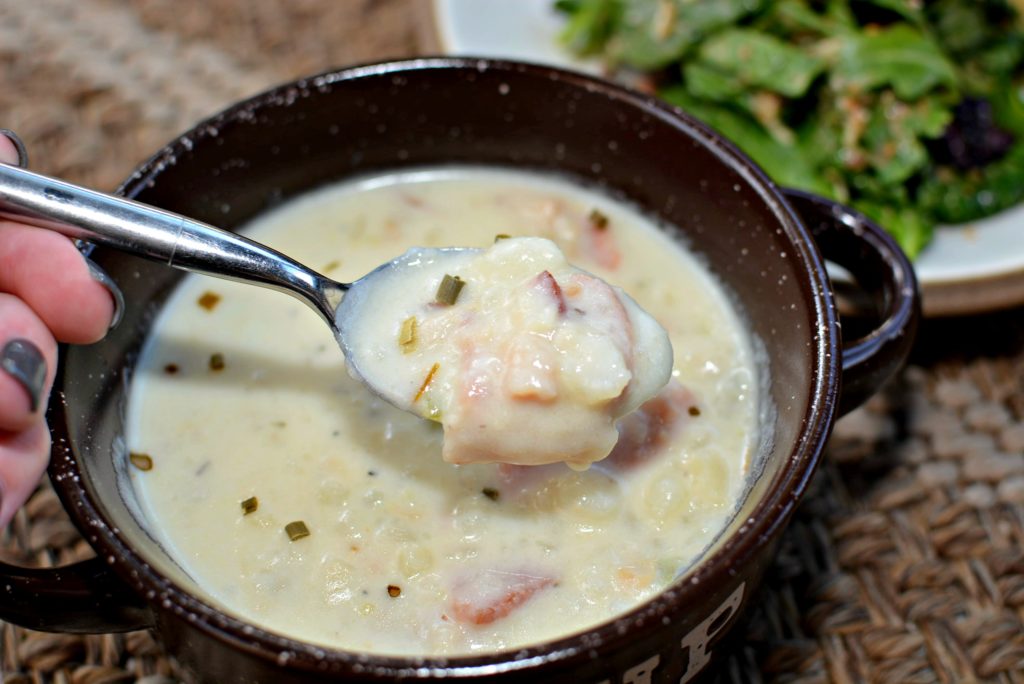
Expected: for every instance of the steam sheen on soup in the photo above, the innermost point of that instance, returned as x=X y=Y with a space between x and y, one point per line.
x=300 y=501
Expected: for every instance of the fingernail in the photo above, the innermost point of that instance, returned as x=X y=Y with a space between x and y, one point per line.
x=104 y=279
x=22 y=160
x=25 y=363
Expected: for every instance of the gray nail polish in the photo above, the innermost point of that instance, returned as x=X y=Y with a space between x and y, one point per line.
x=18 y=145
x=25 y=363
x=104 y=279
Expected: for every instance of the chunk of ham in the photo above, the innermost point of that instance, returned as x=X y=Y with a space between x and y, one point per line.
x=546 y=283
x=484 y=596
x=643 y=433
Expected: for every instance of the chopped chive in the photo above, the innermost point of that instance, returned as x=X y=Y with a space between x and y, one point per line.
x=501 y=236
x=449 y=289
x=250 y=505
x=407 y=336
x=141 y=461
x=432 y=412
x=217 y=362
x=394 y=591
x=331 y=266
x=209 y=300
x=597 y=219
x=491 y=493
x=426 y=382
x=296 y=530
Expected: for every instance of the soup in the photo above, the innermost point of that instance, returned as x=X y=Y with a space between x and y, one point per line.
x=521 y=357
x=302 y=502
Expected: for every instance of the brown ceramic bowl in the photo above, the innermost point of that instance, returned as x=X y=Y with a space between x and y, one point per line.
x=763 y=243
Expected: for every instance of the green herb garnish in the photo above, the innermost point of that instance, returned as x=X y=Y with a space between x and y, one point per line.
x=449 y=289
x=209 y=300
x=597 y=219
x=217 y=362
x=407 y=335
x=501 y=236
x=296 y=530
x=491 y=493
x=141 y=461
x=430 y=409
x=250 y=505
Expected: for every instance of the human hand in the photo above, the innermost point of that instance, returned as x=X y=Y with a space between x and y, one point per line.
x=48 y=292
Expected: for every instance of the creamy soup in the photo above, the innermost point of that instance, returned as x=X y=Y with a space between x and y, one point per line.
x=523 y=358
x=302 y=502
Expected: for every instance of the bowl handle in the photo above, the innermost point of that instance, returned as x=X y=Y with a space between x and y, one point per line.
x=81 y=598
x=848 y=238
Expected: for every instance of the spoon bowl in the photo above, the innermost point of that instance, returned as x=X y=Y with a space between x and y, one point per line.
x=359 y=302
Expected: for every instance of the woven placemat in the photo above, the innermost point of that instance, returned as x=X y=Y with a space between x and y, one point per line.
x=905 y=563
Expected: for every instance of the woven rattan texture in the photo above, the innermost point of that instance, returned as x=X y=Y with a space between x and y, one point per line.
x=904 y=564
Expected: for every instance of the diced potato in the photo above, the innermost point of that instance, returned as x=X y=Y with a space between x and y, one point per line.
x=415 y=559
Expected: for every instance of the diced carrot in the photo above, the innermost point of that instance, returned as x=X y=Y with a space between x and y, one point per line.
x=426 y=382
x=489 y=595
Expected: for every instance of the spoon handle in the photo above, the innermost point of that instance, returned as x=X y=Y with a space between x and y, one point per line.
x=159 y=235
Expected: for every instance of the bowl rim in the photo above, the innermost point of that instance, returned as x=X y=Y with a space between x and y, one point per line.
x=768 y=516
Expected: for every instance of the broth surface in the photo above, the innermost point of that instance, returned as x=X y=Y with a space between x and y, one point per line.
x=242 y=392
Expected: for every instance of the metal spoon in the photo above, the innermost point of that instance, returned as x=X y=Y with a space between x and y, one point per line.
x=190 y=245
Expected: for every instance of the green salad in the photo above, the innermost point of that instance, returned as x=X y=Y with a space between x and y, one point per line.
x=910 y=111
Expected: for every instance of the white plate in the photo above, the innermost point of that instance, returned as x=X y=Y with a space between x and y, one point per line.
x=967 y=269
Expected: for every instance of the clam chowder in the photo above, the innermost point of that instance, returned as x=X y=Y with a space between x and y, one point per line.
x=304 y=503
x=522 y=358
